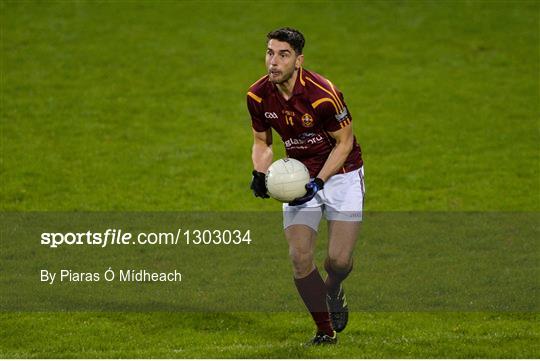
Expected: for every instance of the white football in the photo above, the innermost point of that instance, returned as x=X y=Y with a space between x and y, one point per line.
x=286 y=179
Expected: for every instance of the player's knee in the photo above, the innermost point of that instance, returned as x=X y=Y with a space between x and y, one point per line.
x=340 y=262
x=301 y=271
x=302 y=261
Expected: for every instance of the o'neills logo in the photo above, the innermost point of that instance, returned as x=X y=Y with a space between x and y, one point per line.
x=307 y=120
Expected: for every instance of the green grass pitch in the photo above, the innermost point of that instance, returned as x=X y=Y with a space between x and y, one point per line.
x=140 y=106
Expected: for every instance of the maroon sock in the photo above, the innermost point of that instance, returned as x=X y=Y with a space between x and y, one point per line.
x=313 y=292
x=334 y=278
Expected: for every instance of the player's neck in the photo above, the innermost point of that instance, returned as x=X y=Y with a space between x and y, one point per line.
x=286 y=88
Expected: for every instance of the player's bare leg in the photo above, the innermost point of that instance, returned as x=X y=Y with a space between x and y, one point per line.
x=301 y=239
x=307 y=278
x=342 y=236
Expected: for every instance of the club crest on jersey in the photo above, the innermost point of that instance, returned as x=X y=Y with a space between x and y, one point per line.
x=343 y=115
x=307 y=120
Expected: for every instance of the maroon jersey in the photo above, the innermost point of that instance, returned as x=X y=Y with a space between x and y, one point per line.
x=315 y=108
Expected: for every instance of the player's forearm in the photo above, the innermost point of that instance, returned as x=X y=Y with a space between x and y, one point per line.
x=335 y=160
x=262 y=157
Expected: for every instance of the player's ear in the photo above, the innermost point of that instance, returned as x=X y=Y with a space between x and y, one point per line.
x=299 y=61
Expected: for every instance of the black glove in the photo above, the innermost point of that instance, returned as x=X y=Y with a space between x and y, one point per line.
x=312 y=188
x=258 y=185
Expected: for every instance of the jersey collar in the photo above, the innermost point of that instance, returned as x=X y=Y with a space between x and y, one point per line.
x=300 y=82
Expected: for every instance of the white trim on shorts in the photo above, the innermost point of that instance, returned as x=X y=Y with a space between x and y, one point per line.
x=341 y=199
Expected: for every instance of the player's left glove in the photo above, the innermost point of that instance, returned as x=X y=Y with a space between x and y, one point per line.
x=258 y=185
x=312 y=188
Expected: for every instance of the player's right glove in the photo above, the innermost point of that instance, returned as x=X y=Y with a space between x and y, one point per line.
x=312 y=188
x=258 y=185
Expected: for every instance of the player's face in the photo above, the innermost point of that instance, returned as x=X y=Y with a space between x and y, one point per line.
x=281 y=61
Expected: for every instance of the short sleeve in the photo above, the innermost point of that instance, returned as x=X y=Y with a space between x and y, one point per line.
x=258 y=121
x=333 y=113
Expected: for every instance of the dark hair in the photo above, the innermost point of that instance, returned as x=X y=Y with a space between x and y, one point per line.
x=292 y=36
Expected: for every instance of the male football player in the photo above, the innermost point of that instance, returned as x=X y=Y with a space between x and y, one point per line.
x=310 y=115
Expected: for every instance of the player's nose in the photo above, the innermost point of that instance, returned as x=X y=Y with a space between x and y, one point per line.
x=273 y=60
